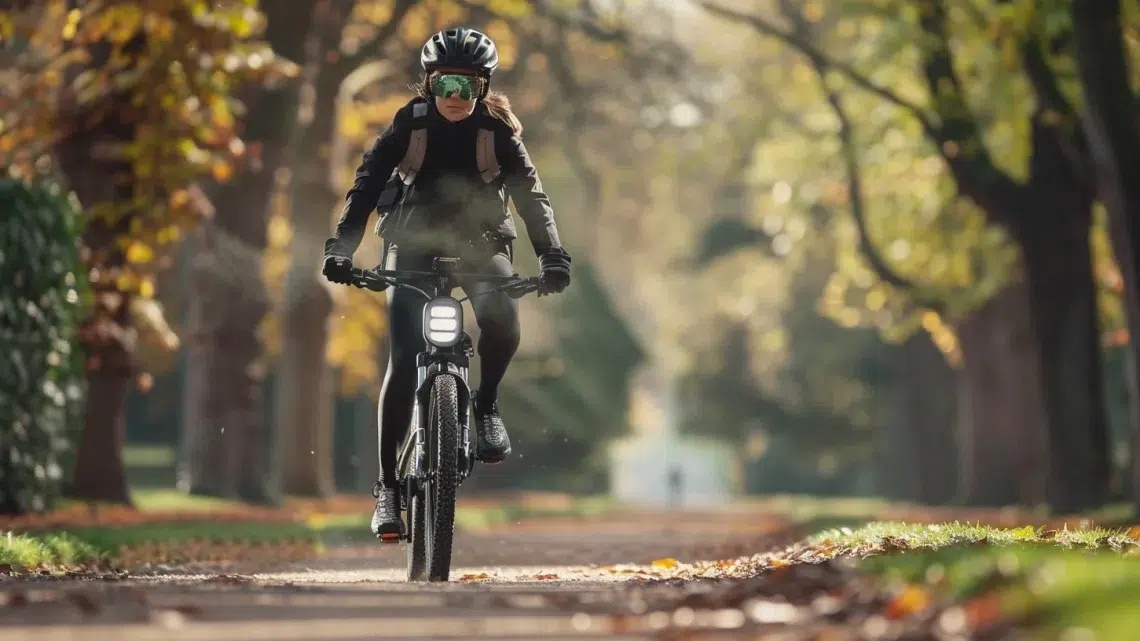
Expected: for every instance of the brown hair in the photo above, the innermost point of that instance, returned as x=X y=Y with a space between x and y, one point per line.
x=497 y=103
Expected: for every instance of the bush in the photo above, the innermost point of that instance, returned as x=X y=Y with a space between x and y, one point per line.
x=41 y=369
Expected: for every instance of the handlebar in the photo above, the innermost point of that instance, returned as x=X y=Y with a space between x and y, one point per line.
x=378 y=280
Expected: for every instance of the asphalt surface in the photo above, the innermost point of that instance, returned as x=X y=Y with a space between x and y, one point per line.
x=550 y=580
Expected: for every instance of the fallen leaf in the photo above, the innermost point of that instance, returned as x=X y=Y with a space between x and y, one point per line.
x=982 y=611
x=910 y=600
x=475 y=577
x=545 y=577
x=665 y=564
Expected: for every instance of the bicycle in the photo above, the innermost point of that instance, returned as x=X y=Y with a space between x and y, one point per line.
x=438 y=453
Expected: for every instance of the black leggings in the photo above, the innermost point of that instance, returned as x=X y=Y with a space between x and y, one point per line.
x=496 y=314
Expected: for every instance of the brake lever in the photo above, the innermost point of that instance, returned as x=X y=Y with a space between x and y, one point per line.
x=521 y=288
x=363 y=280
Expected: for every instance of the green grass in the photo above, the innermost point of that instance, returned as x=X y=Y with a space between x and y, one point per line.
x=149 y=456
x=22 y=551
x=161 y=500
x=84 y=547
x=1048 y=588
x=906 y=536
x=1049 y=580
x=819 y=512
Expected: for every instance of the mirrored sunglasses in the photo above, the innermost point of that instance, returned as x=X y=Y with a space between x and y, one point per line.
x=445 y=85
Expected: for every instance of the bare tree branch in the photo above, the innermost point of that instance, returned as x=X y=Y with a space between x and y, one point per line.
x=579 y=118
x=918 y=294
x=766 y=28
x=374 y=47
x=1064 y=118
x=960 y=139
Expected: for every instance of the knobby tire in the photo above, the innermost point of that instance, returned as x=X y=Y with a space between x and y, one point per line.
x=444 y=414
x=417 y=530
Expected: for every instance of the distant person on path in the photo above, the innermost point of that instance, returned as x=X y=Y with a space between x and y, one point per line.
x=676 y=483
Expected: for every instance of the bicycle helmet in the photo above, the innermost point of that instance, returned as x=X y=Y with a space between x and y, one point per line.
x=461 y=48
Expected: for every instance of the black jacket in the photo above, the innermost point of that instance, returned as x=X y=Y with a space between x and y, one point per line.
x=449 y=200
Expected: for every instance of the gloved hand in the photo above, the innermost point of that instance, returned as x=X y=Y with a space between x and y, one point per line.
x=338 y=264
x=555 y=264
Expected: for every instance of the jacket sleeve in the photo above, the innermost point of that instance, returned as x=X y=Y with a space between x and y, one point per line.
x=524 y=187
x=371 y=176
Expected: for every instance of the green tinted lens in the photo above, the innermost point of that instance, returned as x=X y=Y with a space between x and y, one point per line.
x=447 y=85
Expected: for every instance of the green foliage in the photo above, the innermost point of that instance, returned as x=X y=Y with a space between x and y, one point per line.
x=169 y=68
x=41 y=373
x=572 y=402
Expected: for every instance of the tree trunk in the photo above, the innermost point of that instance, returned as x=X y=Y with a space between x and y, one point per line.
x=100 y=474
x=305 y=400
x=927 y=387
x=1062 y=300
x=99 y=176
x=224 y=440
x=1109 y=120
x=1002 y=448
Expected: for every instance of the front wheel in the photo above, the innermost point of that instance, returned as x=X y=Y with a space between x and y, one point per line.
x=417 y=537
x=416 y=506
x=439 y=493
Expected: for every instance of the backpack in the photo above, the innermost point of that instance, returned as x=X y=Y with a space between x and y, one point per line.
x=404 y=175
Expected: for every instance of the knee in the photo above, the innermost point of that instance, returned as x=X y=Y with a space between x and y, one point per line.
x=498 y=318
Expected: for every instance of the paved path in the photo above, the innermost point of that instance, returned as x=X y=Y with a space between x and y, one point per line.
x=549 y=580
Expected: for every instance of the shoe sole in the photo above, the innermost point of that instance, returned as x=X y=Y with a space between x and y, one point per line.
x=494 y=461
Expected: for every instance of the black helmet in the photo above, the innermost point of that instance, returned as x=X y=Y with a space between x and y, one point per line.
x=463 y=48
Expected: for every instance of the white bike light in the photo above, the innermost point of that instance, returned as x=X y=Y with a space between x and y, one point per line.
x=443 y=321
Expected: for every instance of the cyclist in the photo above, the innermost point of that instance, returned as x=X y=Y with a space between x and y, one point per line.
x=450 y=200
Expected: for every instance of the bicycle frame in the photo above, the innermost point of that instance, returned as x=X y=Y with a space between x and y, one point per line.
x=413 y=462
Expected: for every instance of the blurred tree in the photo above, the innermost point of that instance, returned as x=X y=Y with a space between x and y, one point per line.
x=224 y=449
x=304 y=409
x=1048 y=214
x=133 y=102
x=991 y=428
x=1113 y=131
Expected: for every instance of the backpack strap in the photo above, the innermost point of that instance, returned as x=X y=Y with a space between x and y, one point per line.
x=417 y=148
x=414 y=158
x=485 y=157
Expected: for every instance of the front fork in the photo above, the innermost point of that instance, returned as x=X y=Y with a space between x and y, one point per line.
x=454 y=364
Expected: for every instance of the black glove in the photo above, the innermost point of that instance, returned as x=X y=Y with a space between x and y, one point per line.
x=555 y=264
x=338 y=263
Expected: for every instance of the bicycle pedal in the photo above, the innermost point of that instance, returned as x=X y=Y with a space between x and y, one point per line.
x=389 y=537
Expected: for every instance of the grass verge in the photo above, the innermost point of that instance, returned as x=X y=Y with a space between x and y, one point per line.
x=105 y=548
x=818 y=513
x=1079 y=583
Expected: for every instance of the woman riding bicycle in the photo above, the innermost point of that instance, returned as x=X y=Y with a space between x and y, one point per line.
x=454 y=205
